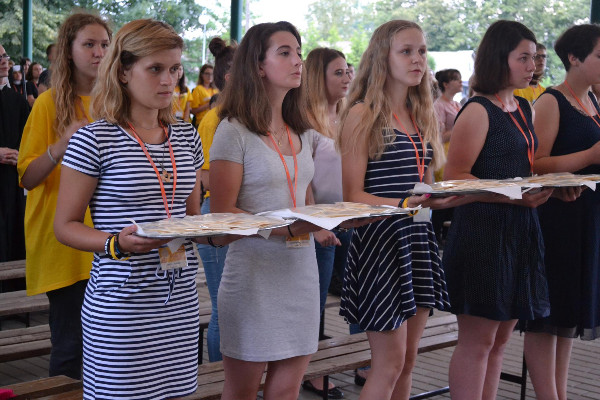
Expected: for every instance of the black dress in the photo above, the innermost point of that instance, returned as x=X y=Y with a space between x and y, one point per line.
x=572 y=236
x=494 y=256
x=14 y=111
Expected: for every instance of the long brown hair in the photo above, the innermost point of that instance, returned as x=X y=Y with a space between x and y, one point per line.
x=245 y=97
x=315 y=85
x=137 y=39
x=375 y=125
x=200 y=80
x=62 y=68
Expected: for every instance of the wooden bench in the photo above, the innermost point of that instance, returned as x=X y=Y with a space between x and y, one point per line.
x=12 y=270
x=16 y=344
x=335 y=355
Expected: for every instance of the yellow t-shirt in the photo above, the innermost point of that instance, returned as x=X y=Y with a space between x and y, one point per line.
x=530 y=93
x=50 y=265
x=206 y=130
x=180 y=101
x=200 y=97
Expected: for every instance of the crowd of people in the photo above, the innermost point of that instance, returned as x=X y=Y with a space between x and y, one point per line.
x=120 y=136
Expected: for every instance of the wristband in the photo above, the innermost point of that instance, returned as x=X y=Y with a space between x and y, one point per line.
x=107 y=244
x=210 y=242
x=50 y=156
x=405 y=205
x=120 y=255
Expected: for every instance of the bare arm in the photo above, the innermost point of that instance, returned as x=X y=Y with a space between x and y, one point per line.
x=186 y=112
x=201 y=108
x=39 y=169
x=546 y=125
x=74 y=194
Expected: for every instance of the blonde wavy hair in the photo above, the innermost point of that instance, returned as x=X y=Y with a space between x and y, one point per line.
x=375 y=126
x=135 y=40
x=63 y=78
x=315 y=89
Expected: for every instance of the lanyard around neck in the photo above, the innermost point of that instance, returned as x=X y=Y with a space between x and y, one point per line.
x=530 y=145
x=291 y=186
x=581 y=104
x=158 y=175
x=420 y=162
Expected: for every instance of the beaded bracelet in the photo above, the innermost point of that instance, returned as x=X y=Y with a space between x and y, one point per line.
x=210 y=242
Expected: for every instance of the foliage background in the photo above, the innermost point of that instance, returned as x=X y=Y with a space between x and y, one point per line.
x=346 y=25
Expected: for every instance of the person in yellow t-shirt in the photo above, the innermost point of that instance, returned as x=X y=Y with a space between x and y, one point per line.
x=535 y=88
x=202 y=93
x=51 y=267
x=182 y=99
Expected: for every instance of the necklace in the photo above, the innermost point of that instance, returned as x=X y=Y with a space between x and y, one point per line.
x=165 y=176
x=279 y=136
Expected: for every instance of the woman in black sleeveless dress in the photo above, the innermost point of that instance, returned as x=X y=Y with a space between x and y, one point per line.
x=493 y=258
x=568 y=124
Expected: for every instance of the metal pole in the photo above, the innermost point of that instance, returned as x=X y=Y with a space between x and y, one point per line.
x=204 y=44
x=595 y=12
x=27 y=29
x=236 y=20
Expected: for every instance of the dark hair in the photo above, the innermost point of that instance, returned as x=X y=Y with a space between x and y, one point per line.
x=491 y=61
x=578 y=40
x=200 y=78
x=181 y=83
x=445 y=76
x=29 y=75
x=539 y=47
x=24 y=61
x=245 y=97
x=223 y=58
x=49 y=49
x=350 y=65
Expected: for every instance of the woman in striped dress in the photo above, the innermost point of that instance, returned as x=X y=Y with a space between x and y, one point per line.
x=394 y=271
x=140 y=317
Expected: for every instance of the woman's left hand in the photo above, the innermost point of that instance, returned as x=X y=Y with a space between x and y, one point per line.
x=568 y=193
x=437 y=203
x=326 y=238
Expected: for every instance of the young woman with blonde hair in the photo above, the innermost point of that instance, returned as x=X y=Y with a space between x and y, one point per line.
x=140 y=314
x=389 y=142
x=326 y=84
x=52 y=268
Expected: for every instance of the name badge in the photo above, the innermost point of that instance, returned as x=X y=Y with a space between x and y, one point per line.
x=173 y=255
x=424 y=215
x=298 y=241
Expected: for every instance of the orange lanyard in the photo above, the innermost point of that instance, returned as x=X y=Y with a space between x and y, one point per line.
x=581 y=104
x=160 y=182
x=291 y=186
x=530 y=145
x=420 y=163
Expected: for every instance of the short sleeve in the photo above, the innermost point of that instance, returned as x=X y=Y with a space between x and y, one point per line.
x=227 y=144
x=82 y=153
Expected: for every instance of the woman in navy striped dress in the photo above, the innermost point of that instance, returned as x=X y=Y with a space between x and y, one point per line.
x=389 y=139
x=140 y=321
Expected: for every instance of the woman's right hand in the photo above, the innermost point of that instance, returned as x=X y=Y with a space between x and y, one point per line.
x=130 y=243
x=59 y=148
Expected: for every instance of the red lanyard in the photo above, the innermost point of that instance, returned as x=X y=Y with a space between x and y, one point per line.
x=291 y=186
x=581 y=104
x=530 y=145
x=158 y=175
x=420 y=163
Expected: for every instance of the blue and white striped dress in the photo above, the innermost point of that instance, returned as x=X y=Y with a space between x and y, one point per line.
x=137 y=345
x=394 y=264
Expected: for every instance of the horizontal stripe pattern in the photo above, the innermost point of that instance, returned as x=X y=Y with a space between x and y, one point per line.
x=393 y=265
x=137 y=345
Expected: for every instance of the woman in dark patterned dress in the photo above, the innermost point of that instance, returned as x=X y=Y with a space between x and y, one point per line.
x=493 y=258
x=568 y=127
x=389 y=140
